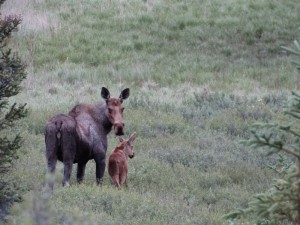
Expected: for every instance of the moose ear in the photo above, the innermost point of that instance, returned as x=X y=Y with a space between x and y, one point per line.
x=124 y=94
x=132 y=137
x=105 y=93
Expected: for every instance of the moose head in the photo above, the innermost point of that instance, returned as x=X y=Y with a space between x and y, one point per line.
x=128 y=145
x=115 y=109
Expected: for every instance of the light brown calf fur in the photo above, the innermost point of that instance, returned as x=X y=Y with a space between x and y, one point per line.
x=117 y=161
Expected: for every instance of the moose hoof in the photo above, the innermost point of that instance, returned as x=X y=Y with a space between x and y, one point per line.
x=99 y=182
x=66 y=184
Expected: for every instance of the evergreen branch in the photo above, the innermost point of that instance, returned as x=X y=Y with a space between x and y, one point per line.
x=1 y=2
x=281 y=204
x=289 y=151
x=7 y=151
x=15 y=113
x=289 y=130
x=265 y=141
x=3 y=104
x=296 y=95
x=293 y=115
x=290 y=50
x=12 y=72
x=8 y=24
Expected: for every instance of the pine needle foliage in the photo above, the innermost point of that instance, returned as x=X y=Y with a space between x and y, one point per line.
x=12 y=72
x=281 y=203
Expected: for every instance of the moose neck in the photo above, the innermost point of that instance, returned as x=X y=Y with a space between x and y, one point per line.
x=122 y=148
x=103 y=119
x=125 y=151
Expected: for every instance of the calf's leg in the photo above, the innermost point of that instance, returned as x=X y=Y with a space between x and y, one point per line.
x=123 y=176
x=116 y=180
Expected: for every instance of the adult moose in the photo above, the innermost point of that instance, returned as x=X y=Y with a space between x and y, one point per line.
x=82 y=135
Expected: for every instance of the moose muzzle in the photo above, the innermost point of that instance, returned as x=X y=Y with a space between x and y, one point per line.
x=119 y=128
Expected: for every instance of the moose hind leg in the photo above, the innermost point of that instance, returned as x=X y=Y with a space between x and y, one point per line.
x=68 y=160
x=67 y=172
x=51 y=164
x=51 y=147
x=68 y=149
x=123 y=178
x=51 y=152
x=116 y=180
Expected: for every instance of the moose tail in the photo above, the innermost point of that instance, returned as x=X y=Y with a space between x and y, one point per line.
x=58 y=125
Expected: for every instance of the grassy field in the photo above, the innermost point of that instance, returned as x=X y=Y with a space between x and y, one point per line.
x=200 y=73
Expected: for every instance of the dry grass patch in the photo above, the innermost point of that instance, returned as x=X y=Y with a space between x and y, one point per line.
x=33 y=20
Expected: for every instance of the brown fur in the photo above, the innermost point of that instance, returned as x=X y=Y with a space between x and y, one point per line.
x=117 y=161
x=82 y=135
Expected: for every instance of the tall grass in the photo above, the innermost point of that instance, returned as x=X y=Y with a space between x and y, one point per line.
x=200 y=72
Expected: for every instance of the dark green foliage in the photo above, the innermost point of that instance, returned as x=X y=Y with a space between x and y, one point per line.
x=12 y=72
x=295 y=51
x=281 y=203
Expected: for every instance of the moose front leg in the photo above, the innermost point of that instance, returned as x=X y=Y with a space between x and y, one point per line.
x=100 y=167
x=80 y=171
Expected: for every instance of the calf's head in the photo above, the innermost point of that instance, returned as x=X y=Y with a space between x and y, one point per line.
x=128 y=145
x=115 y=109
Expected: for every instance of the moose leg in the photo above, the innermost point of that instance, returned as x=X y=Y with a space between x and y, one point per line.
x=51 y=152
x=67 y=172
x=68 y=159
x=116 y=180
x=80 y=171
x=68 y=148
x=51 y=164
x=123 y=178
x=51 y=147
x=100 y=167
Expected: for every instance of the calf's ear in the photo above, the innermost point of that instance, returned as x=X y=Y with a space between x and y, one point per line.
x=124 y=94
x=132 y=137
x=105 y=93
x=121 y=139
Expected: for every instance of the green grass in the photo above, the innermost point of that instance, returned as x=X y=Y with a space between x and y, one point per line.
x=200 y=73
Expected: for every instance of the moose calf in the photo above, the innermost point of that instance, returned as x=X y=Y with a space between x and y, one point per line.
x=117 y=161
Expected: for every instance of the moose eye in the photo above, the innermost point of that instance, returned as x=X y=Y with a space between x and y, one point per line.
x=110 y=110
